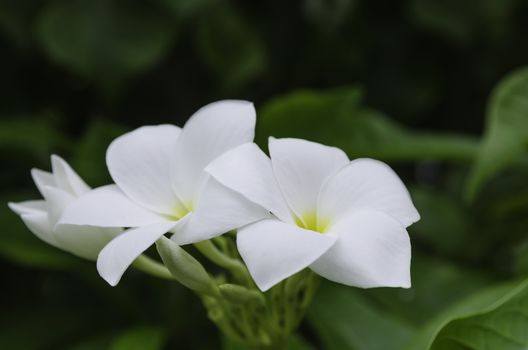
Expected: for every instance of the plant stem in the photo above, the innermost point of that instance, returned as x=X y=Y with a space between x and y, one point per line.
x=152 y=267
x=209 y=250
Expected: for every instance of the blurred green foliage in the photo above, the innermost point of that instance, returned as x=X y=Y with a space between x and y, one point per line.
x=412 y=82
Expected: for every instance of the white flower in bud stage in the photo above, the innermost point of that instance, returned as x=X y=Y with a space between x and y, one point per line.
x=344 y=220
x=161 y=186
x=60 y=188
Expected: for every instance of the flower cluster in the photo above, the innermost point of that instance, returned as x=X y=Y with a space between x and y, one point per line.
x=305 y=206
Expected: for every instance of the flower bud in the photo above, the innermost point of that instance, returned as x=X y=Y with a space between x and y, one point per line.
x=185 y=268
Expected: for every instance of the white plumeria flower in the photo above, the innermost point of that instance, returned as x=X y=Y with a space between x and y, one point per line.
x=60 y=188
x=161 y=186
x=344 y=220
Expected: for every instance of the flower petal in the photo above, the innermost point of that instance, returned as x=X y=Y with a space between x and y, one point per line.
x=139 y=163
x=211 y=131
x=247 y=170
x=28 y=207
x=372 y=250
x=366 y=184
x=66 y=178
x=42 y=179
x=301 y=167
x=273 y=250
x=121 y=252
x=218 y=211
x=84 y=241
x=56 y=201
x=108 y=206
x=39 y=224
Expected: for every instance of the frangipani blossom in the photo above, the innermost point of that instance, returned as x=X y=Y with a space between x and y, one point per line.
x=60 y=188
x=160 y=186
x=344 y=220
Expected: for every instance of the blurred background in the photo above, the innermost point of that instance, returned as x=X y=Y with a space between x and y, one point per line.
x=405 y=81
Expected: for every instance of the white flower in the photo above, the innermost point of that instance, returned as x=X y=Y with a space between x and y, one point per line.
x=161 y=186
x=59 y=189
x=344 y=220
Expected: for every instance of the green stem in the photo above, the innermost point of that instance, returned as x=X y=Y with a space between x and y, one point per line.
x=209 y=250
x=152 y=267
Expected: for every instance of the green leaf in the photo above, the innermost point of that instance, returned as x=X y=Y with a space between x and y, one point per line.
x=89 y=155
x=328 y=15
x=344 y=319
x=492 y=319
x=16 y=19
x=185 y=9
x=105 y=41
x=432 y=289
x=185 y=268
x=141 y=338
x=95 y=343
x=39 y=323
x=445 y=222
x=506 y=135
x=34 y=135
x=521 y=258
x=230 y=47
x=295 y=342
x=337 y=118
x=463 y=21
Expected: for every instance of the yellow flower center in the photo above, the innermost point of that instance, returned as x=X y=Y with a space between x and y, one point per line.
x=180 y=210
x=309 y=221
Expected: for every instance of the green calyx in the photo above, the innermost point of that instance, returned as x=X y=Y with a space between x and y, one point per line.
x=260 y=320
x=250 y=317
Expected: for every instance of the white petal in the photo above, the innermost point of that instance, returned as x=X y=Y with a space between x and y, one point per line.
x=108 y=206
x=28 y=207
x=66 y=178
x=84 y=241
x=273 y=250
x=372 y=250
x=218 y=211
x=39 y=224
x=42 y=179
x=211 y=131
x=139 y=163
x=301 y=167
x=56 y=201
x=247 y=170
x=366 y=184
x=117 y=255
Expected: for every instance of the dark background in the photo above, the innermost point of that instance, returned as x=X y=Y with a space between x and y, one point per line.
x=75 y=74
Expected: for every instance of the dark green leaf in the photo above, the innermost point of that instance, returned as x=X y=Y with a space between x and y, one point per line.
x=141 y=338
x=104 y=40
x=436 y=285
x=34 y=135
x=185 y=9
x=89 y=156
x=97 y=342
x=446 y=224
x=337 y=118
x=344 y=319
x=16 y=19
x=294 y=343
x=491 y=319
x=462 y=21
x=230 y=47
x=506 y=134
x=37 y=327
